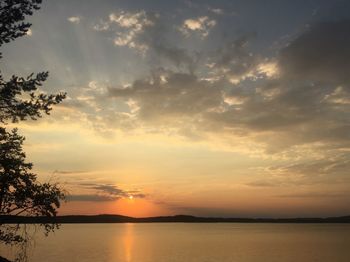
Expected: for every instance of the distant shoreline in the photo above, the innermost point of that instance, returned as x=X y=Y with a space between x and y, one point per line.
x=93 y=219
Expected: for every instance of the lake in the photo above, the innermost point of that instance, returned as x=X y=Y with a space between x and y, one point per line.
x=181 y=242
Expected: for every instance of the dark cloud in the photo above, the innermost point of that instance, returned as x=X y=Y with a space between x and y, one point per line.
x=321 y=53
x=179 y=57
x=103 y=192
x=235 y=61
x=91 y=198
x=169 y=93
x=111 y=190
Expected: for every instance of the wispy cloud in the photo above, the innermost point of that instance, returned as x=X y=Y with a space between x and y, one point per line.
x=91 y=198
x=315 y=195
x=74 y=19
x=128 y=28
x=103 y=192
x=201 y=25
x=64 y=172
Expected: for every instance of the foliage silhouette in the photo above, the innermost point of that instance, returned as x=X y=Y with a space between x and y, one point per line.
x=20 y=99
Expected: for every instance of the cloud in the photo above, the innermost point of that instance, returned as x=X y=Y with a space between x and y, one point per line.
x=103 y=192
x=217 y=11
x=74 y=19
x=91 y=198
x=315 y=195
x=262 y=183
x=168 y=95
x=277 y=105
x=333 y=168
x=320 y=54
x=179 y=57
x=237 y=92
x=29 y=32
x=128 y=28
x=235 y=62
x=148 y=33
x=303 y=98
x=201 y=25
x=328 y=170
x=110 y=189
x=64 y=172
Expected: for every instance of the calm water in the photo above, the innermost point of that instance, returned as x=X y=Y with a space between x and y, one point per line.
x=194 y=242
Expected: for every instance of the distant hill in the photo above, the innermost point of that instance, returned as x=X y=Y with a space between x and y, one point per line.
x=73 y=219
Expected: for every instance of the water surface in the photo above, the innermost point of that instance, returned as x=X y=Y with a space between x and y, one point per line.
x=181 y=242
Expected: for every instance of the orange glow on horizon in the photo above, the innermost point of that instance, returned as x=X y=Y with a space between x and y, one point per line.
x=134 y=207
x=138 y=207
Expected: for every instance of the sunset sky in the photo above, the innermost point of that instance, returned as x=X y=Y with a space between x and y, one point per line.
x=209 y=108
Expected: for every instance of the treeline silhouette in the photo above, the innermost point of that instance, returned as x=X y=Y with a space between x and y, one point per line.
x=77 y=219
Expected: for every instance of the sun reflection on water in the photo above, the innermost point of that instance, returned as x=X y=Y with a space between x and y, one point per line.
x=128 y=240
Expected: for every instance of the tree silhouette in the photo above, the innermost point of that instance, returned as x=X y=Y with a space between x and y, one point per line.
x=13 y=105
x=20 y=99
x=20 y=192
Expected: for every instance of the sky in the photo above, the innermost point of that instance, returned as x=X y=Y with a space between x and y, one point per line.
x=208 y=108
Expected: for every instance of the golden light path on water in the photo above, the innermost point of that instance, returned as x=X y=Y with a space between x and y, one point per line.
x=128 y=241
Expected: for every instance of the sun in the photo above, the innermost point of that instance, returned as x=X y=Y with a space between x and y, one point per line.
x=131 y=197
